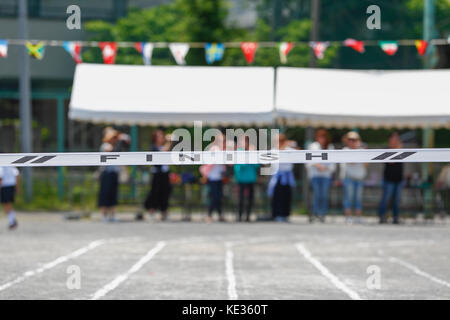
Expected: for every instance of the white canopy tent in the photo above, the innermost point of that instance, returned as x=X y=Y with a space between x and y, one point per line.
x=375 y=99
x=173 y=95
x=145 y=95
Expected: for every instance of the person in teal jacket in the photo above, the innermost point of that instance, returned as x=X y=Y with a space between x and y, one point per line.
x=246 y=176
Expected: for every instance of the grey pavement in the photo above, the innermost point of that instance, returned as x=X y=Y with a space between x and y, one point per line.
x=194 y=260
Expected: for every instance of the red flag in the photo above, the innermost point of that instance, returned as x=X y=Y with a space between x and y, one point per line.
x=355 y=45
x=421 y=46
x=319 y=48
x=249 y=49
x=109 y=50
x=138 y=47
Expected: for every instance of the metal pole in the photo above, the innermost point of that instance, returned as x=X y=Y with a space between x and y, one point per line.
x=309 y=138
x=60 y=142
x=25 y=106
x=428 y=29
x=134 y=147
x=315 y=16
x=428 y=136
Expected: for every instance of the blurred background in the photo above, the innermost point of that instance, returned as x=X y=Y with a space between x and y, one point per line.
x=51 y=79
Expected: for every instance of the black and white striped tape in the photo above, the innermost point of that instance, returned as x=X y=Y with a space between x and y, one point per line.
x=223 y=157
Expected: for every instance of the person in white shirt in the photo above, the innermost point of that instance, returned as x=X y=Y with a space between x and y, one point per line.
x=320 y=176
x=9 y=181
x=214 y=174
x=352 y=175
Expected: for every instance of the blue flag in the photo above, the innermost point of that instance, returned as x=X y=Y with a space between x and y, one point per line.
x=214 y=52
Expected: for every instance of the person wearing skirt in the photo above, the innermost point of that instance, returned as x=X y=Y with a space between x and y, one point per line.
x=158 y=197
x=109 y=179
x=281 y=186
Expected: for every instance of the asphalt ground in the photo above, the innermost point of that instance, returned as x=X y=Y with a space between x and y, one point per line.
x=49 y=257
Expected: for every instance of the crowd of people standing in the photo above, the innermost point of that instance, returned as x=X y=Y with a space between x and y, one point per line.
x=280 y=188
x=281 y=185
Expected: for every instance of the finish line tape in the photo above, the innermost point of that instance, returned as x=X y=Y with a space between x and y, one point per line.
x=223 y=157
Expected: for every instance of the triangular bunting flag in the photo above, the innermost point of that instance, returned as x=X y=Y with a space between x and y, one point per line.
x=214 y=52
x=355 y=45
x=249 y=49
x=146 y=49
x=319 y=48
x=179 y=52
x=3 y=48
x=109 y=51
x=285 y=47
x=74 y=49
x=390 y=47
x=36 y=50
x=421 y=46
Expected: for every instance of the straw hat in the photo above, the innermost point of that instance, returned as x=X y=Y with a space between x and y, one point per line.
x=109 y=133
x=353 y=135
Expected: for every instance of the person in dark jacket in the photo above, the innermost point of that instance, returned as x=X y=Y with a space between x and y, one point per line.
x=158 y=197
x=392 y=183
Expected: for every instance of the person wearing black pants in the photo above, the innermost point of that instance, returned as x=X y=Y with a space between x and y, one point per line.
x=281 y=202
x=245 y=193
x=215 y=192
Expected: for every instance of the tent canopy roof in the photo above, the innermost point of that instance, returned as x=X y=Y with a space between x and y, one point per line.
x=124 y=94
x=173 y=95
x=349 y=98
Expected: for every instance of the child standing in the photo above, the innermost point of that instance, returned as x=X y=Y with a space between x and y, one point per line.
x=9 y=179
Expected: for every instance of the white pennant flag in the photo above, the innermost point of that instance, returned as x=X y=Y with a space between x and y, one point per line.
x=179 y=52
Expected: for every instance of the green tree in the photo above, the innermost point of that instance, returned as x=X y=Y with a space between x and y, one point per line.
x=200 y=21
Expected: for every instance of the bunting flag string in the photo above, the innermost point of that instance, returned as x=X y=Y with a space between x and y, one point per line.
x=421 y=46
x=285 y=48
x=36 y=50
x=109 y=51
x=390 y=47
x=3 y=48
x=213 y=51
x=355 y=45
x=146 y=50
x=74 y=49
x=179 y=52
x=319 y=48
x=249 y=50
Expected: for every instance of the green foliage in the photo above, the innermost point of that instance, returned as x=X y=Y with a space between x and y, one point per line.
x=199 y=21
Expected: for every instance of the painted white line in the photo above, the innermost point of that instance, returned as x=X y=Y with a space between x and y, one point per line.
x=232 y=294
x=326 y=273
x=52 y=264
x=419 y=272
x=123 y=277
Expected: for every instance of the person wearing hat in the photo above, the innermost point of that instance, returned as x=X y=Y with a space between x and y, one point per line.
x=352 y=175
x=109 y=178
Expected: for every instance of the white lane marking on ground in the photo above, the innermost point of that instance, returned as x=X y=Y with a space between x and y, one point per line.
x=326 y=273
x=54 y=263
x=123 y=277
x=398 y=243
x=232 y=294
x=419 y=272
